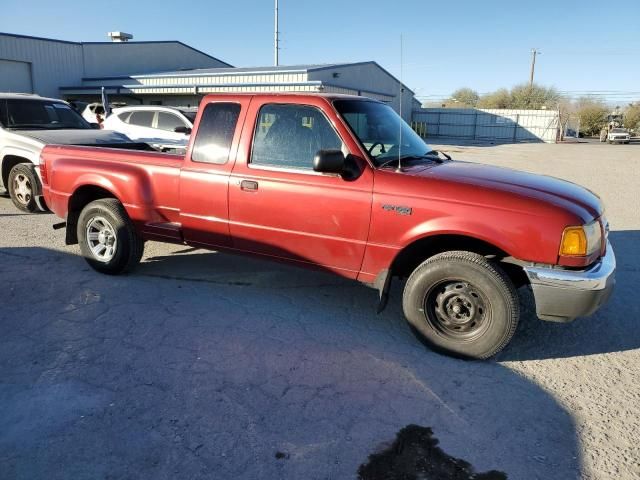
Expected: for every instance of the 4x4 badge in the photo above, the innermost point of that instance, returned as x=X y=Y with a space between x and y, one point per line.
x=400 y=210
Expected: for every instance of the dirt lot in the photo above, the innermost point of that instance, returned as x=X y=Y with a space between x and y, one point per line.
x=204 y=365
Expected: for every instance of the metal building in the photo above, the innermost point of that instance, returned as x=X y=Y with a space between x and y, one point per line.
x=43 y=65
x=172 y=73
x=185 y=87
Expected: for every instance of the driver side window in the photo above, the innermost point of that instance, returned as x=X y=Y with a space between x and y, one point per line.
x=289 y=136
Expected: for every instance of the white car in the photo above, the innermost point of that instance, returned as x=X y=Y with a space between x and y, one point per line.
x=164 y=128
x=618 y=135
x=28 y=123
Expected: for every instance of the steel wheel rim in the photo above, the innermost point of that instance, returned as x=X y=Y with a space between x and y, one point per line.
x=457 y=310
x=101 y=239
x=22 y=189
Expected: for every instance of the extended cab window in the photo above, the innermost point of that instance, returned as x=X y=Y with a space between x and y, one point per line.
x=215 y=133
x=289 y=136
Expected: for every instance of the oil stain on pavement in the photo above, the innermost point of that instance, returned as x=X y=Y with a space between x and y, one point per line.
x=415 y=455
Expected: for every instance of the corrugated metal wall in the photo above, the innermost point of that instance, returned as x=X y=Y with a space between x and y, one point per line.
x=55 y=63
x=489 y=124
x=52 y=63
x=110 y=59
x=369 y=80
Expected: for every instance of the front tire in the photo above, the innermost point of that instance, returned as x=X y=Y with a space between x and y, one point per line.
x=108 y=239
x=461 y=304
x=23 y=186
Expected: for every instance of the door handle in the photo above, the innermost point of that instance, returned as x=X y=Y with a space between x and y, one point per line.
x=249 y=186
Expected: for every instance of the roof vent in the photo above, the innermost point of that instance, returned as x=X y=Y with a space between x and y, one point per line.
x=119 y=36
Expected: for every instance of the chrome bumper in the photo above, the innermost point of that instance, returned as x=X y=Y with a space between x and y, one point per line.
x=563 y=295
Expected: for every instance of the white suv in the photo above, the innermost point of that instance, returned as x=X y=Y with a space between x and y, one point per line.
x=164 y=128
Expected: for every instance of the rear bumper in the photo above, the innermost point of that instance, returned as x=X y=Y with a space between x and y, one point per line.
x=563 y=295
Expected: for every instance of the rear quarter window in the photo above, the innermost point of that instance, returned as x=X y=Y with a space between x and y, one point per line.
x=215 y=133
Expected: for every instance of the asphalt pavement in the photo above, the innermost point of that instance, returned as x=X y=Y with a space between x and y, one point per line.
x=207 y=365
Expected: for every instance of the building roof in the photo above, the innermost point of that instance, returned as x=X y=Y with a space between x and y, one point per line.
x=116 y=44
x=216 y=71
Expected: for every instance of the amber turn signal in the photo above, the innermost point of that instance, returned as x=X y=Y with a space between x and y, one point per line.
x=574 y=241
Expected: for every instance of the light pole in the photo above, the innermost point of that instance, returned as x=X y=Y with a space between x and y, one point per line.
x=276 y=46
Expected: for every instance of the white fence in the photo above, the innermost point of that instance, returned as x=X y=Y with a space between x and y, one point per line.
x=488 y=124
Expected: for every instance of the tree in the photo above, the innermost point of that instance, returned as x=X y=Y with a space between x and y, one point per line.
x=592 y=115
x=632 y=116
x=534 y=97
x=499 y=99
x=465 y=97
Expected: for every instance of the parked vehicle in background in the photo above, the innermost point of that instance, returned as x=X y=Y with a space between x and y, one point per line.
x=162 y=127
x=29 y=122
x=94 y=112
x=618 y=135
x=341 y=183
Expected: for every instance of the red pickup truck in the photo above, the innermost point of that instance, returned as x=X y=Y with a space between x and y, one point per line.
x=343 y=184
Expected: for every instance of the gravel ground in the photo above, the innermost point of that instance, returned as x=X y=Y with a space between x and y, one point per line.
x=205 y=365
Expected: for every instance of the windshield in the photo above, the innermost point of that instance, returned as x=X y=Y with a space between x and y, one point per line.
x=40 y=114
x=378 y=128
x=618 y=130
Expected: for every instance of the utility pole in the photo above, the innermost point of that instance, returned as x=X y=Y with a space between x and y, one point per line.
x=534 y=53
x=276 y=46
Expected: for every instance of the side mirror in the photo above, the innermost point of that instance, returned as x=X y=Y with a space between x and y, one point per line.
x=95 y=126
x=182 y=129
x=329 y=161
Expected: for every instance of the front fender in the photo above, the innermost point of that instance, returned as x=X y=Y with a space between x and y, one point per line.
x=501 y=238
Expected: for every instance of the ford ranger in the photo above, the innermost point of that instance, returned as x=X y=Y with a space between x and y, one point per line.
x=341 y=183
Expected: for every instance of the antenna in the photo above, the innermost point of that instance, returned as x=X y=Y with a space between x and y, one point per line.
x=276 y=39
x=401 y=90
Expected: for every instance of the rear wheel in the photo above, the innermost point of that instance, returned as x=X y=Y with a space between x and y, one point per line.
x=23 y=186
x=108 y=239
x=462 y=304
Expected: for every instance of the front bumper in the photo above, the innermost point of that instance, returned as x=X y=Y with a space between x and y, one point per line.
x=563 y=295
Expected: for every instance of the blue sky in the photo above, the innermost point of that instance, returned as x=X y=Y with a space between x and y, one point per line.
x=586 y=46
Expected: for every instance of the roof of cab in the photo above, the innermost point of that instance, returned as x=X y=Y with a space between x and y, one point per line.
x=330 y=96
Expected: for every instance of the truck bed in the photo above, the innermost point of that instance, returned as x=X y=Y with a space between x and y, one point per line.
x=152 y=198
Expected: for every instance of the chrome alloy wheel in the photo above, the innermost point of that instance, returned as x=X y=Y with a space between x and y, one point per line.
x=22 y=189
x=101 y=239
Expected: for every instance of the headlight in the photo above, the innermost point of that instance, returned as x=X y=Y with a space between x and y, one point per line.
x=581 y=241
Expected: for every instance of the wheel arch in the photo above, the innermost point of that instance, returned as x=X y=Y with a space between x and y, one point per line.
x=8 y=162
x=420 y=249
x=80 y=198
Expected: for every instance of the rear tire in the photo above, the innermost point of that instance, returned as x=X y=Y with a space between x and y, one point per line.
x=108 y=239
x=23 y=186
x=461 y=304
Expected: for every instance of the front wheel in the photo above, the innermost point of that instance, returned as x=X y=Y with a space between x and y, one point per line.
x=23 y=186
x=108 y=239
x=461 y=304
